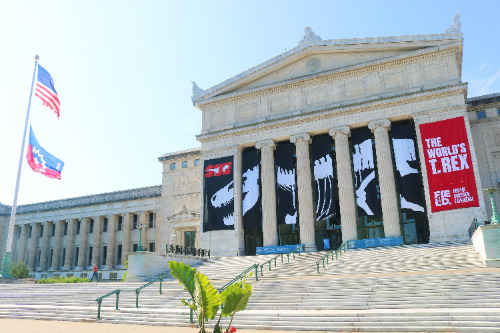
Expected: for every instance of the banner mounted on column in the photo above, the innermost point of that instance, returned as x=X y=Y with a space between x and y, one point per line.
x=286 y=188
x=364 y=173
x=252 y=214
x=218 y=197
x=450 y=175
x=323 y=176
x=408 y=170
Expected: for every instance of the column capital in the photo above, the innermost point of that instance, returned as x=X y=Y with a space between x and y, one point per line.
x=265 y=144
x=301 y=136
x=386 y=123
x=342 y=130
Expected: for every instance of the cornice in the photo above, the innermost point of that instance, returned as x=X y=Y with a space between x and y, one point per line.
x=327 y=113
x=89 y=200
x=338 y=73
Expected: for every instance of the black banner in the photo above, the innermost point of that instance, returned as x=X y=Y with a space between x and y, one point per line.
x=323 y=176
x=407 y=167
x=218 y=197
x=250 y=174
x=364 y=173
x=286 y=188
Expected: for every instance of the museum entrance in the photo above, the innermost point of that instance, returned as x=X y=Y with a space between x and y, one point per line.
x=288 y=234
x=328 y=234
x=253 y=239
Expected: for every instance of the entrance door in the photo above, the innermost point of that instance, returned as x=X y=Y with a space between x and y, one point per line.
x=253 y=239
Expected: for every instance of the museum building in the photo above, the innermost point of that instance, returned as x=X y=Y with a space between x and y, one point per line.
x=328 y=142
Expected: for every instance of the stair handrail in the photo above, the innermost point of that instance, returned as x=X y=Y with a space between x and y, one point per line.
x=137 y=291
x=473 y=227
x=298 y=249
x=237 y=278
x=339 y=251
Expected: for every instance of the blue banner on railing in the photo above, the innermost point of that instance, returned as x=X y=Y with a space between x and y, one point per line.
x=278 y=249
x=375 y=242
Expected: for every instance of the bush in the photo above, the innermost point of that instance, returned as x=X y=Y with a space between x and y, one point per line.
x=61 y=279
x=20 y=270
x=124 y=276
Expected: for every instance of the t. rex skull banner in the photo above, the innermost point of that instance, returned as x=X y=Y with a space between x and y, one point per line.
x=250 y=174
x=218 y=194
x=448 y=162
x=286 y=188
x=364 y=173
x=323 y=176
x=407 y=167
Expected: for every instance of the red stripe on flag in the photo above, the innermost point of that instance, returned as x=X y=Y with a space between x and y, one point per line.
x=48 y=98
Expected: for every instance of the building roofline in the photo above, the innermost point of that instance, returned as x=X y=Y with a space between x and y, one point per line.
x=483 y=99
x=179 y=154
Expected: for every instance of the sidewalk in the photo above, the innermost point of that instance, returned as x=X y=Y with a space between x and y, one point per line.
x=51 y=326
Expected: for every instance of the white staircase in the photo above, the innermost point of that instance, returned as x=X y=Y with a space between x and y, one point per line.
x=421 y=288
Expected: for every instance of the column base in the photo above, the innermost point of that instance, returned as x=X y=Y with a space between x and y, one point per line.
x=310 y=248
x=6 y=263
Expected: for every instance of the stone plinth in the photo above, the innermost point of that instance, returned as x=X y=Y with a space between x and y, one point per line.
x=486 y=240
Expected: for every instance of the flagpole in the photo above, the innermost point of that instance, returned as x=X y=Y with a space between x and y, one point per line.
x=6 y=263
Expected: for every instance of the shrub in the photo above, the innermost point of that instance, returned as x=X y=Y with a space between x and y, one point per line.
x=124 y=276
x=61 y=279
x=20 y=270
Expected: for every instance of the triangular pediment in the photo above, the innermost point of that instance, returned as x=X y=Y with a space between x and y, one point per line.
x=321 y=57
x=184 y=215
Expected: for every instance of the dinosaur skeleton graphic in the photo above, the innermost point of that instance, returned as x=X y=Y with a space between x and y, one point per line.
x=250 y=188
x=286 y=181
x=363 y=160
x=323 y=175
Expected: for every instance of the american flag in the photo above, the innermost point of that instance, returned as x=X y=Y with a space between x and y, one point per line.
x=45 y=90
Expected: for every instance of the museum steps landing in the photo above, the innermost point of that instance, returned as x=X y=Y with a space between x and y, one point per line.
x=419 y=288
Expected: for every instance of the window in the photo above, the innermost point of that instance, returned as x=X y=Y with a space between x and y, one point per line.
x=56 y=275
x=89 y=258
x=151 y=220
x=134 y=248
x=481 y=114
x=104 y=254
x=120 y=221
x=40 y=230
x=185 y=164
x=53 y=233
x=197 y=162
x=50 y=257
x=134 y=226
x=63 y=257
x=119 y=255
x=189 y=238
x=113 y=275
x=83 y=275
x=498 y=111
x=105 y=225
x=44 y=276
x=78 y=225
x=39 y=256
x=69 y=275
x=152 y=247
x=65 y=228
x=77 y=252
x=91 y=226
x=172 y=166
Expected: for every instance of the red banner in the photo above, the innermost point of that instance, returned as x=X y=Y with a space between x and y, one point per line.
x=448 y=162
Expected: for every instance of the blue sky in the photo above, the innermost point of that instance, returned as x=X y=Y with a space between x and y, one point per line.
x=123 y=71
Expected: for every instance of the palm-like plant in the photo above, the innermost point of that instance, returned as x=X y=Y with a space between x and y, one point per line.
x=206 y=300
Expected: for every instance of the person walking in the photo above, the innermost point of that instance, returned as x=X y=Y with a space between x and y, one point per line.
x=94 y=275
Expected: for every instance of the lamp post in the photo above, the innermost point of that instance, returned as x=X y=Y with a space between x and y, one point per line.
x=139 y=247
x=495 y=219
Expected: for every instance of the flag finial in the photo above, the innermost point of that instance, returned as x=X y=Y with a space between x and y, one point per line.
x=37 y=58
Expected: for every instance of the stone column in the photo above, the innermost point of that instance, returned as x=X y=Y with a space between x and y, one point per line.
x=387 y=183
x=21 y=255
x=238 y=204
x=126 y=237
x=269 y=220
x=110 y=256
x=68 y=260
x=345 y=183
x=45 y=245
x=97 y=240
x=14 y=244
x=143 y=221
x=304 y=189
x=83 y=243
x=159 y=244
x=33 y=246
x=57 y=245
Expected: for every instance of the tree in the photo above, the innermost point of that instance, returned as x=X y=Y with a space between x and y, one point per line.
x=206 y=300
x=20 y=270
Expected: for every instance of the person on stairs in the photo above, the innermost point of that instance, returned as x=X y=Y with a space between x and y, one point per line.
x=94 y=275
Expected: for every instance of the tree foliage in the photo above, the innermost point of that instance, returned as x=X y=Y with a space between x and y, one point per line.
x=205 y=298
x=20 y=270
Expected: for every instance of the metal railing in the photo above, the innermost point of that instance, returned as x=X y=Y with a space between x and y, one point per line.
x=185 y=250
x=338 y=252
x=473 y=227
x=137 y=292
x=297 y=250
